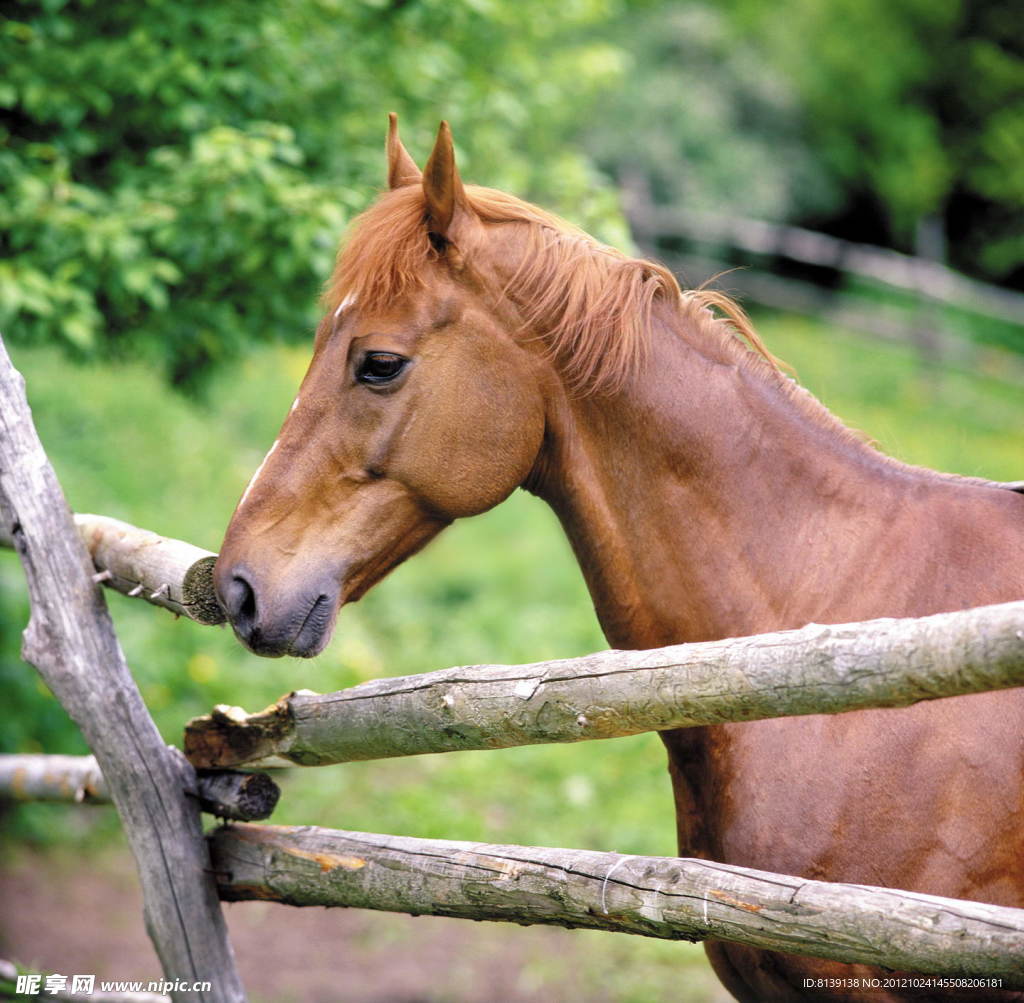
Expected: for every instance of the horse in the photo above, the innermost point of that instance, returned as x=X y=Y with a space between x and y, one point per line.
x=473 y=344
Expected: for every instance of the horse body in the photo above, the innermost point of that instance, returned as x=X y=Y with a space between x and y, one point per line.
x=768 y=518
x=480 y=346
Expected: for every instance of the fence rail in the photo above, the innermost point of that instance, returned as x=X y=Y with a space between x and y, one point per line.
x=817 y=669
x=165 y=572
x=672 y=898
x=933 y=341
x=914 y=319
x=900 y=271
x=246 y=797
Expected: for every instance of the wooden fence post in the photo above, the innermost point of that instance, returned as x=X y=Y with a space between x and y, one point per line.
x=71 y=641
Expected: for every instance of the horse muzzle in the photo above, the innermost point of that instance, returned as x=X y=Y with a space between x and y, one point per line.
x=272 y=623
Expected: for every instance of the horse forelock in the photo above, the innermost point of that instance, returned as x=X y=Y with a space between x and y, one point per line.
x=591 y=303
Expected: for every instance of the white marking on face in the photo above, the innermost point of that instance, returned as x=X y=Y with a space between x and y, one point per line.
x=259 y=470
x=345 y=304
x=295 y=404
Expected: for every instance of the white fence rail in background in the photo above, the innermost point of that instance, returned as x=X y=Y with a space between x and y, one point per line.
x=900 y=271
x=659 y=230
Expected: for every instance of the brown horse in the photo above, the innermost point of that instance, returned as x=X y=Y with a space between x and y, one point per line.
x=474 y=344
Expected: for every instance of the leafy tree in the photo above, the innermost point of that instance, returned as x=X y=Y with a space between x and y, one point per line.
x=174 y=176
x=982 y=109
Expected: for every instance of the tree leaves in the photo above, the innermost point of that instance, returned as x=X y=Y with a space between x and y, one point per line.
x=174 y=177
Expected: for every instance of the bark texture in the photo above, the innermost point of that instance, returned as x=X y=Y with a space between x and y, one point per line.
x=71 y=641
x=676 y=899
x=815 y=670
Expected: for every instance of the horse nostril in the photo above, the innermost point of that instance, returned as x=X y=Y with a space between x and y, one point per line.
x=241 y=602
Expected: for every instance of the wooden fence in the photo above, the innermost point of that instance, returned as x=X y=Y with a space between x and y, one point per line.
x=882 y=663
x=915 y=275
x=818 y=669
x=70 y=639
x=922 y=285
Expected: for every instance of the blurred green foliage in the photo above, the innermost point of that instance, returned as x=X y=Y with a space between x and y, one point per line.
x=863 y=117
x=705 y=119
x=931 y=121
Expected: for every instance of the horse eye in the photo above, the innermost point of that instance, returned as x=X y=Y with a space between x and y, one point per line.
x=380 y=367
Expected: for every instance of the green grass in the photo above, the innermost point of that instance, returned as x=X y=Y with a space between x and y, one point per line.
x=499 y=588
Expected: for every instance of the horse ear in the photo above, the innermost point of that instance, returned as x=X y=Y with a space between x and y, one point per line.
x=442 y=185
x=402 y=169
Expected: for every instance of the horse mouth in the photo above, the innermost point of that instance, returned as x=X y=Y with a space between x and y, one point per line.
x=315 y=630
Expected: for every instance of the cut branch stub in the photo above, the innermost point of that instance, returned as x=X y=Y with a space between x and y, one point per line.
x=247 y=797
x=198 y=596
x=230 y=737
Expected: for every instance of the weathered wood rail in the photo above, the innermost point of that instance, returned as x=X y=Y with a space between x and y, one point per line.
x=814 y=670
x=165 y=572
x=247 y=797
x=676 y=899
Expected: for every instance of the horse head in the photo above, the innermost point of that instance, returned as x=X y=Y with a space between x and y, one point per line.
x=422 y=404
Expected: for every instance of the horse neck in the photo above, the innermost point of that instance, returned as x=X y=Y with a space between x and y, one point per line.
x=701 y=500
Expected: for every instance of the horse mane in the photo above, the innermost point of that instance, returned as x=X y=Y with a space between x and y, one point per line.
x=592 y=303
